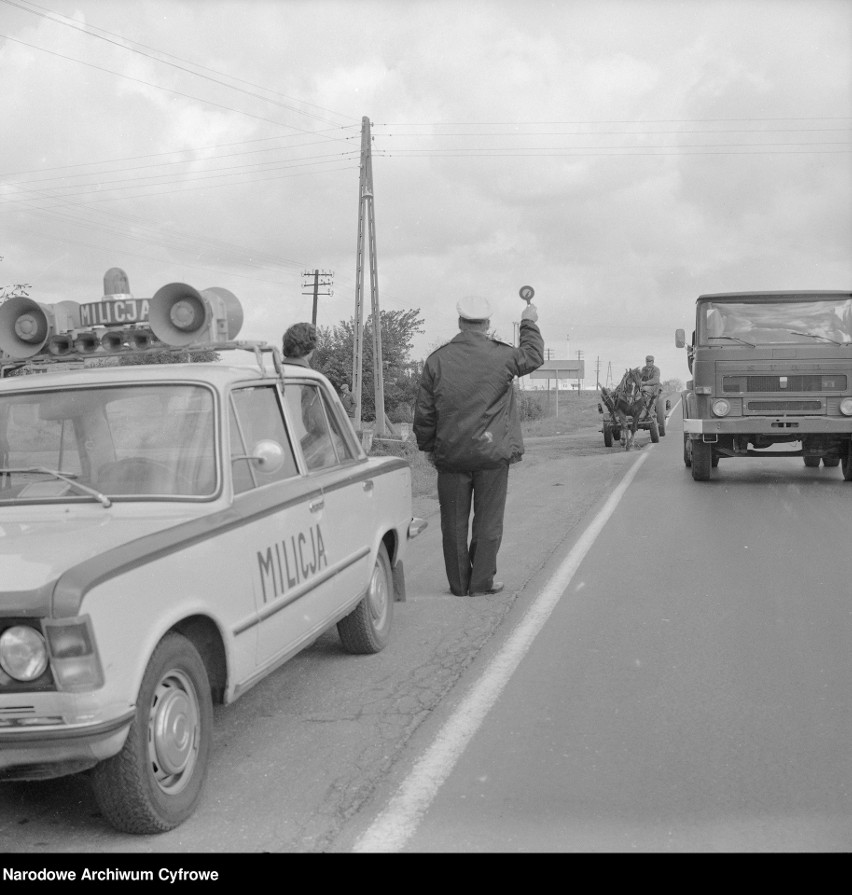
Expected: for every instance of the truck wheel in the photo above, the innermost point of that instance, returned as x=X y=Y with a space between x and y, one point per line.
x=811 y=462
x=831 y=461
x=846 y=467
x=661 y=415
x=367 y=627
x=607 y=433
x=702 y=459
x=687 y=451
x=655 y=431
x=156 y=780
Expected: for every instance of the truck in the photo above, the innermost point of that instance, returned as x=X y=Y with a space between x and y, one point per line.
x=771 y=375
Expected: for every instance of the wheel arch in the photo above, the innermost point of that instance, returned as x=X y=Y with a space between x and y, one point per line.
x=205 y=636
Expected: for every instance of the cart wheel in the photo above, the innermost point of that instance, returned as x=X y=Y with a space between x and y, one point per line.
x=655 y=431
x=661 y=415
x=607 y=433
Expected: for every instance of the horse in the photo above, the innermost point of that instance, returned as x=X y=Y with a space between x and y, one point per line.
x=627 y=402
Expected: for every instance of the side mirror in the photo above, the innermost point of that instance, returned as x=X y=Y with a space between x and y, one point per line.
x=268 y=455
x=680 y=338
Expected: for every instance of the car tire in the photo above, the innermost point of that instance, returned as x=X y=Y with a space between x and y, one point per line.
x=607 y=434
x=367 y=628
x=155 y=782
x=831 y=461
x=655 y=432
x=702 y=460
x=687 y=452
x=811 y=462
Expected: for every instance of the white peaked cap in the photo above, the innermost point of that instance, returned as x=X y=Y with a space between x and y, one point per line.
x=474 y=307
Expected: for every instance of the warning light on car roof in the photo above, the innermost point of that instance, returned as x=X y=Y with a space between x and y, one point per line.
x=177 y=316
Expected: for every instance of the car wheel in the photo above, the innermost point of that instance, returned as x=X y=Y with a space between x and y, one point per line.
x=702 y=460
x=367 y=628
x=811 y=462
x=687 y=451
x=155 y=782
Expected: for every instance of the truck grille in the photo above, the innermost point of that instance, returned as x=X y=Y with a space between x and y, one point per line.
x=804 y=382
x=784 y=406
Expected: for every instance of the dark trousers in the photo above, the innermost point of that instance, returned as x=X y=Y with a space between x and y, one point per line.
x=471 y=567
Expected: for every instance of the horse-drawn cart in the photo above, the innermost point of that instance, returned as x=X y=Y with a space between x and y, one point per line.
x=626 y=408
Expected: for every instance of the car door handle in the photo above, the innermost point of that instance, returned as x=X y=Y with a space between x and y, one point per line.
x=368 y=485
x=316 y=505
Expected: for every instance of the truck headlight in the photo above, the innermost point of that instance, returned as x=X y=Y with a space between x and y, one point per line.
x=721 y=407
x=846 y=406
x=23 y=653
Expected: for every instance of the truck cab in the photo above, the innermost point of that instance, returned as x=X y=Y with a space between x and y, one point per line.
x=769 y=369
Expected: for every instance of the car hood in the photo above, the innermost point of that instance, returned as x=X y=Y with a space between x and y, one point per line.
x=35 y=552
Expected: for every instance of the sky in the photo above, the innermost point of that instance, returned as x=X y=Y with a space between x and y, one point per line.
x=621 y=157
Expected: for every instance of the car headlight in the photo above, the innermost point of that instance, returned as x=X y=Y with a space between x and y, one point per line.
x=721 y=407
x=23 y=653
x=846 y=406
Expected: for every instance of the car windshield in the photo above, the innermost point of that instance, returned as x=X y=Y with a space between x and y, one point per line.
x=767 y=322
x=97 y=444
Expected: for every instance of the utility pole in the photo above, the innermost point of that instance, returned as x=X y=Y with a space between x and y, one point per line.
x=327 y=277
x=367 y=232
x=579 y=363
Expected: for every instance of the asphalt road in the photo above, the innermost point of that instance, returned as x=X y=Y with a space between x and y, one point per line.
x=687 y=688
x=299 y=754
x=682 y=685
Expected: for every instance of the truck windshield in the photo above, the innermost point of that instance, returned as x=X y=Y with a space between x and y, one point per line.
x=771 y=322
x=85 y=444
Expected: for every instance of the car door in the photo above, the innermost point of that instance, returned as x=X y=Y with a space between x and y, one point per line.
x=283 y=544
x=332 y=459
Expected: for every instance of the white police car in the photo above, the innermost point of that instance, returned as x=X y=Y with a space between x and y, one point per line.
x=169 y=535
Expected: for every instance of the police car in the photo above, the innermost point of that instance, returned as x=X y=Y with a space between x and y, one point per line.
x=170 y=534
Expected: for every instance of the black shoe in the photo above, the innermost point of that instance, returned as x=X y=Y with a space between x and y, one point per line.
x=495 y=588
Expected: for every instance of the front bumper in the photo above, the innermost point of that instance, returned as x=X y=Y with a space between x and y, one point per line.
x=768 y=425
x=40 y=752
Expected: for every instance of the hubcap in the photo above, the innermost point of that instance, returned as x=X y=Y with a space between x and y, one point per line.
x=378 y=597
x=173 y=729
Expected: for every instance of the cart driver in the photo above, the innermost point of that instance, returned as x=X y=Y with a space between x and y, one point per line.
x=651 y=385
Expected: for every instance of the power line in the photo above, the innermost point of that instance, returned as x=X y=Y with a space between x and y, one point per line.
x=131 y=46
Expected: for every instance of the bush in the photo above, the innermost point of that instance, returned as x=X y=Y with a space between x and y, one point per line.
x=530 y=405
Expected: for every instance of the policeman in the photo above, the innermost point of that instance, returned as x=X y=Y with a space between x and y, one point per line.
x=466 y=418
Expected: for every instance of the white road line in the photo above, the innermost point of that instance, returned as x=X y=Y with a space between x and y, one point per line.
x=398 y=822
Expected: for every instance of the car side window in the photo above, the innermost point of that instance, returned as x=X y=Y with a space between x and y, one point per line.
x=315 y=427
x=257 y=431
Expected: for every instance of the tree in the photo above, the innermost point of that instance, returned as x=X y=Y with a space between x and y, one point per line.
x=401 y=376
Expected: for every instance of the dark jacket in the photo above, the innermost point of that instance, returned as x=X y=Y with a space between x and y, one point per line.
x=466 y=412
